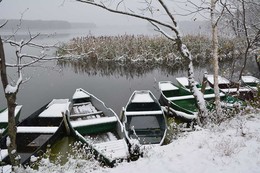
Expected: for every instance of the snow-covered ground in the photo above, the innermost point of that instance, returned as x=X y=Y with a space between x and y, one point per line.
x=233 y=146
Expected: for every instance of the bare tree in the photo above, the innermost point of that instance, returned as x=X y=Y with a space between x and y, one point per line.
x=148 y=7
x=214 y=25
x=11 y=86
x=217 y=9
x=244 y=17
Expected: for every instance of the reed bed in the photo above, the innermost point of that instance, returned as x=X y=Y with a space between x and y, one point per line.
x=142 y=53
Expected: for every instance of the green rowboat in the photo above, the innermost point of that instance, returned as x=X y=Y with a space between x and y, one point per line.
x=180 y=101
x=226 y=100
x=97 y=126
x=144 y=119
x=231 y=88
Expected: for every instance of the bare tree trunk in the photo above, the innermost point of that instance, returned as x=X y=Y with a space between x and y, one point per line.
x=204 y=83
x=200 y=102
x=245 y=61
x=215 y=55
x=12 y=152
x=11 y=103
x=248 y=42
x=257 y=62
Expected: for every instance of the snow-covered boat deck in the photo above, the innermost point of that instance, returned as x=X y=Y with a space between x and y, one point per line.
x=113 y=150
x=4 y=114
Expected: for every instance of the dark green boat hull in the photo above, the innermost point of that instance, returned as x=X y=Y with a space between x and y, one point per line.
x=93 y=129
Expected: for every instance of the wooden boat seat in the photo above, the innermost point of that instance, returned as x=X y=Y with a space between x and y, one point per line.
x=181 y=97
x=36 y=129
x=85 y=115
x=39 y=141
x=95 y=121
x=206 y=96
x=233 y=90
x=143 y=112
x=80 y=104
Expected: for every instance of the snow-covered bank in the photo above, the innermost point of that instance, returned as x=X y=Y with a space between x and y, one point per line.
x=234 y=146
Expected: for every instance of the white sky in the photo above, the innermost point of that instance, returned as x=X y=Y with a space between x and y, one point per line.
x=68 y=10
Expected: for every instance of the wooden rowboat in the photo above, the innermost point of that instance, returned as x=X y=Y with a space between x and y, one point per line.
x=230 y=88
x=227 y=101
x=97 y=126
x=37 y=131
x=178 y=100
x=252 y=82
x=144 y=119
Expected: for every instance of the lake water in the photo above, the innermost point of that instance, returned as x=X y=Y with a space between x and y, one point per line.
x=49 y=81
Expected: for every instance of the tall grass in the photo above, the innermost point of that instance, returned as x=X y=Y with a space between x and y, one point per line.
x=131 y=47
x=145 y=53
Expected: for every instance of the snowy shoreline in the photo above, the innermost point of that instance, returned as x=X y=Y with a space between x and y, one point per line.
x=233 y=146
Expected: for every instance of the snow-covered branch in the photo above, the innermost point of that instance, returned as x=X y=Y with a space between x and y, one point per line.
x=14 y=89
x=159 y=29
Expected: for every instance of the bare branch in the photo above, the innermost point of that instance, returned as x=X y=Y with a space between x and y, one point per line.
x=220 y=15
x=19 y=24
x=130 y=14
x=119 y=4
x=168 y=12
x=196 y=9
x=2 y=25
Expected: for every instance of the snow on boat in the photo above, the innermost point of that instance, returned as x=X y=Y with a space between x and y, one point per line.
x=227 y=87
x=179 y=101
x=209 y=95
x=251 y=82
x=184 y=83
x=144 y=119
x=36 y=132
x=4 y=118
x=98 y=126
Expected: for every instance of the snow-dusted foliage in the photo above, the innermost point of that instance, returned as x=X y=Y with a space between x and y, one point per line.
x=138 y=61
x=78 y=161
x=120 y=48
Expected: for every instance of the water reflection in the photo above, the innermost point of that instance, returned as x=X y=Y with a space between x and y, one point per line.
x=125 y=69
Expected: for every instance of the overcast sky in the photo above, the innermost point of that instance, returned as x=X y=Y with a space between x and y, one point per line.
x=67 y=10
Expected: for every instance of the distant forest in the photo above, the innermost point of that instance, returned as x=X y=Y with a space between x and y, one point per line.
x=44 y=24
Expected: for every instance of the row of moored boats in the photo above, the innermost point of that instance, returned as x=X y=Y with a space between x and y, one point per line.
x=111 y=137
